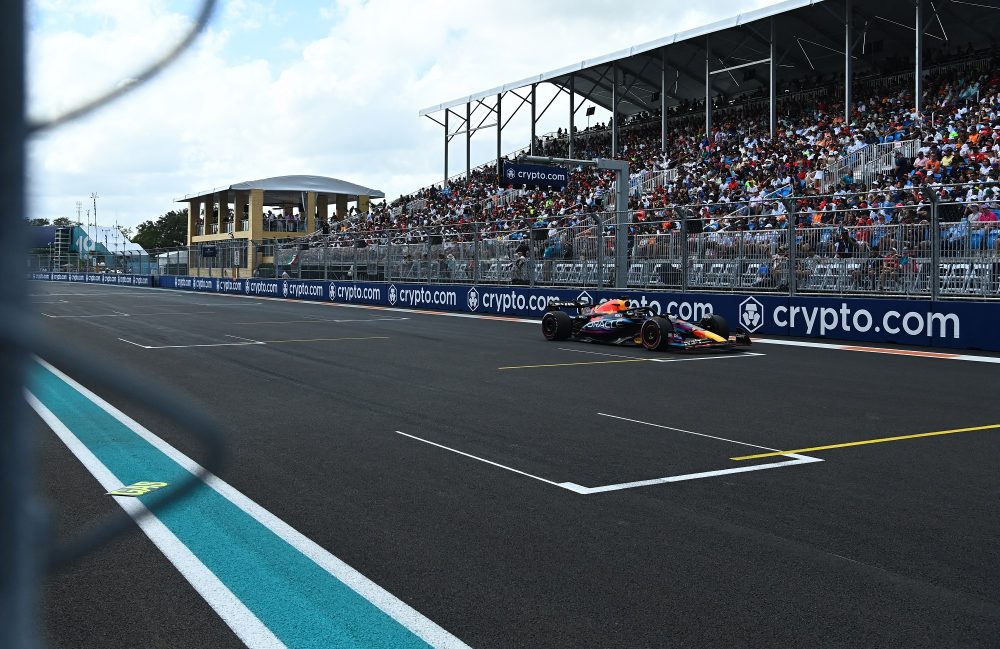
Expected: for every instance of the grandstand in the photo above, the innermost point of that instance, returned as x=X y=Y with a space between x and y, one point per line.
x=854 y=154
x=842 y=163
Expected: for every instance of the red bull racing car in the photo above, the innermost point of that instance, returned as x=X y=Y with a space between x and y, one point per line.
x=618 y=323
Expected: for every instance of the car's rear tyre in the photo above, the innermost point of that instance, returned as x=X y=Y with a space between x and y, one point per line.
x=656 y=332
x=557 y=325
x=717 y=325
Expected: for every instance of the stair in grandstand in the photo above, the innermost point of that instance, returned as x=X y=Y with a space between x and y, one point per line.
x=868 y=163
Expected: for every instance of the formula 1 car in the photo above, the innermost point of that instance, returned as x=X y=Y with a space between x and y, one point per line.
x=617 y=323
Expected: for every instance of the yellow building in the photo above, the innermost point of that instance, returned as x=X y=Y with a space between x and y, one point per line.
x=243 y=219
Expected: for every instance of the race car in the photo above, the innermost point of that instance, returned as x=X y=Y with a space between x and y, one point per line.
x=618 y=323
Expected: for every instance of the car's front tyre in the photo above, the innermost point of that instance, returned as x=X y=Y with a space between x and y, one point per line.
x=557 y=325
x=656 y=333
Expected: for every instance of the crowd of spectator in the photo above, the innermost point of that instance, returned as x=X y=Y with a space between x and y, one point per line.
x=737 y=181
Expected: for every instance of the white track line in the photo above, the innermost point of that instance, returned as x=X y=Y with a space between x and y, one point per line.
x=688 y=432
x=799 y=459
x=230 y=608
x=392 y=606
x=565 y=485
x=893 y=351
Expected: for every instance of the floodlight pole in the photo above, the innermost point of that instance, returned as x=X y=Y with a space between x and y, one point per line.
x=620 y=167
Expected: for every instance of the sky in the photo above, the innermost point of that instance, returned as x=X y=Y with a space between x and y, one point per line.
x=282 y=87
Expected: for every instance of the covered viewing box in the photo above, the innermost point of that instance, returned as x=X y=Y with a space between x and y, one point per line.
x=235 y=227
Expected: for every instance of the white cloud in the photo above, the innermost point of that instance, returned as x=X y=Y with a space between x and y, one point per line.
x=261 y=95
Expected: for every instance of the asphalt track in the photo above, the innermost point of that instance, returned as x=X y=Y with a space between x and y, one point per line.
x=521 y=493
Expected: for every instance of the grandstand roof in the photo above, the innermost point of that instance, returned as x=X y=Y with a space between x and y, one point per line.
x=811 y=40
x=290 y=188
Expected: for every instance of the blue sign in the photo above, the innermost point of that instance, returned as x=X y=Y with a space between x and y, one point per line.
x=536 y=176
x=97 y=278
x=961 y=325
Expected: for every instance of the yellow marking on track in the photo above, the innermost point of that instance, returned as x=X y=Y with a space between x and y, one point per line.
x=899 y=352
x=867 y=441
x=316 y=340
x=525 y=367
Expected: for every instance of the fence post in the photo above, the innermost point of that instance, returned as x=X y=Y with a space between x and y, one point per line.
x=792 y=252
x=475 y=253
x=935 y=247
x=685 y=253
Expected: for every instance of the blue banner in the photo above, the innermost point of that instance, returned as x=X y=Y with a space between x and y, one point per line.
x=960 y=325
x=97 y=278
x=536 y=176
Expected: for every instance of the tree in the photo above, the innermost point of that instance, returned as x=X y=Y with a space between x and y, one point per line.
x=168 y=231
x=38 y=222
x=125 y=231
x=62 y=220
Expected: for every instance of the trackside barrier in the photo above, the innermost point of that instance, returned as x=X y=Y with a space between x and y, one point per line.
x=961 y=325
x=958 y=325
x=96 y=278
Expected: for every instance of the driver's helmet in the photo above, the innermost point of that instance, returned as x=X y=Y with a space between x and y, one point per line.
x=612 y=306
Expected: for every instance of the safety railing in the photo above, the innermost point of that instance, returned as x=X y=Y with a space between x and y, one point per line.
x=866 y=246
x=867 y=164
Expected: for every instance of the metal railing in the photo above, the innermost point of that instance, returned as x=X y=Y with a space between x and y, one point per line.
x=782 y=245
x=868 y=163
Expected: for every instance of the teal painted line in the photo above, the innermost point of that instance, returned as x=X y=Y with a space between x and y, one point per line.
x=302 y=604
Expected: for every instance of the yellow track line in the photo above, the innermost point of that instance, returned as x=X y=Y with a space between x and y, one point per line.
x=867 y=441
x=523 y=367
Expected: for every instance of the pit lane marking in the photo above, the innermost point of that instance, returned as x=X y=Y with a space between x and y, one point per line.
x=880 y=440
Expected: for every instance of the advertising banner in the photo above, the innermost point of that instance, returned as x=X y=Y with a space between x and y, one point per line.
x=960 y=325
x=535 y=176
x=97 y=278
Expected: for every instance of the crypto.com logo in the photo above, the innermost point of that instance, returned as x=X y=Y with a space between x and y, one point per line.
x=751 y=314
x=392 y=294
x=472 y=299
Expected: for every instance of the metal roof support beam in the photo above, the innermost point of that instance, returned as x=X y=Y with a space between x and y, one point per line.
x=918 y=58
x=468 y=140
x=597 y=84
x=572 y=112
x=459 y=130
x=531 y=149
x=708 y=89
x=615 y=98
x=848 y=67
x=638 y=78
x=499 y=134
x=524 y=100
x=739 y=66
x=663 y=100
x=772 y=87
x=559 y=91
x=444 y=184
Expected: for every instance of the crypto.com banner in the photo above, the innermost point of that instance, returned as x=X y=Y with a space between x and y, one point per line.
x=535 y=176
x=96 y=278
x=961 y=325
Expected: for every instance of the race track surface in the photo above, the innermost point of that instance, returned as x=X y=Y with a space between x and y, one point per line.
x=522 y=493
